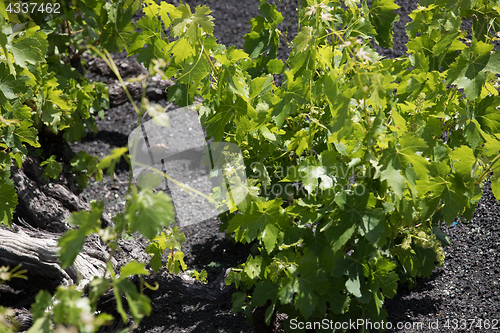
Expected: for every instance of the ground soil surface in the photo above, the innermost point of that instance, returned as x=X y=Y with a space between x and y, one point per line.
x=466 y=288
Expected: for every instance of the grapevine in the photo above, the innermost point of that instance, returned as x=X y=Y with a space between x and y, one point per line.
x=353 y=160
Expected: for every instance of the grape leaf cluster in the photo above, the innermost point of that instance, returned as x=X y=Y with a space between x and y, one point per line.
x=357 y=159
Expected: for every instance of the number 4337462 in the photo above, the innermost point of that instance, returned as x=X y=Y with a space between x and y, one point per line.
x=32 y=7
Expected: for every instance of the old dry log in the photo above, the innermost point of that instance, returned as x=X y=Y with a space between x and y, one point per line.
x=40 y=219
x=37 y=252
x=45 y=205
x=36 y=207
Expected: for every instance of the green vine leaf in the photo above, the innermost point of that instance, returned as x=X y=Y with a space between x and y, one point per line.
x=464 y=161
x=138 y=303
x=109 y=162
x=382 y=17
x=152 y=37
x=72 y=242
x=148 y=212
x=8 y=203
x=394 y=179
x=263 y=292
x=356 y=268
x=263 y=214
x=311 y=283
x=469 y=72
x=189 y=24
x=385 y=281
x=25 y=51
x=52 y=167
x=487 y=114
x=262 y=37
x=10 y=85
x=356 y=159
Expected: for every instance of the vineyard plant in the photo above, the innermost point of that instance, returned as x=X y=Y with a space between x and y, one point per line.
x=352 y=160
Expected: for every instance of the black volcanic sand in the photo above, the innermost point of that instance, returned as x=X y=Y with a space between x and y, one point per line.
x=466 y=288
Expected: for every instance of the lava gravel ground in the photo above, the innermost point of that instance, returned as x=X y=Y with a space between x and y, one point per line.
x=466 y=288
x=463 y=295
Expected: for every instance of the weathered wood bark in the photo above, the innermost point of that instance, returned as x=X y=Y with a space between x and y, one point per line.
x=40 y=219
x=37 y=252
x=45 y=205
x=36 y=207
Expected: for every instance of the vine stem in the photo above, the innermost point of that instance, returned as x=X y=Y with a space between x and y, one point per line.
x=197 y=61
x=416 y=226
x=82 y=50
x=420 y=238
x=454 y=124
x=178 y=183
x=214 y=69
x=484 y=20
x=488 y=171
x=367 y=116
x=279 y=33
x=109 y=61
x=449 y=99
